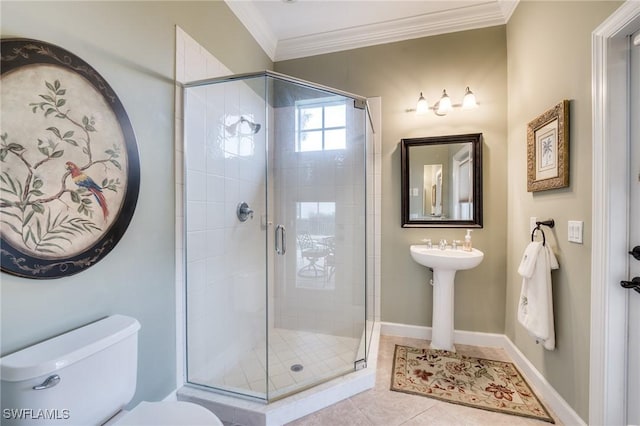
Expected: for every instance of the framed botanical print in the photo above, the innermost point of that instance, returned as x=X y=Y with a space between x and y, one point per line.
x=548 y=149
x=70 y=170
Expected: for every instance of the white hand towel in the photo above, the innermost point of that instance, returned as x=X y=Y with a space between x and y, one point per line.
x=528 y=262
x=550 y=342
x=535 y=309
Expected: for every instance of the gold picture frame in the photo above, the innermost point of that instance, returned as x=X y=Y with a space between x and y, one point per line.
x=548 y=149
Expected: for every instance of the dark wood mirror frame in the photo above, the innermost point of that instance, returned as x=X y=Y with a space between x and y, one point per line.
x=406 y=146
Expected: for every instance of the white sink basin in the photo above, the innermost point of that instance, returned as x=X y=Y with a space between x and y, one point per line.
x=448 y=259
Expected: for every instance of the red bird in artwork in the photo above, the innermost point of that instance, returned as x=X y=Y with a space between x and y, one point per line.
x=86 y=182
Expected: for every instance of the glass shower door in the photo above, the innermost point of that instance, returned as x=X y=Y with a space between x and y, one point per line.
x=275 y=225
x=225 y=189
x=317 y=205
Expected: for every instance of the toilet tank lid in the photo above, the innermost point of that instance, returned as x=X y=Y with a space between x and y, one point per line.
x=63 y=350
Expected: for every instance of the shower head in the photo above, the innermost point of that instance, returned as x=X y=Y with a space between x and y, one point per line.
x=255 y=127
x=232 y=129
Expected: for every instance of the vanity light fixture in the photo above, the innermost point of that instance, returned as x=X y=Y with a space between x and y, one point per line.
x=423 y=105
x=444 y=104
x=469 y=100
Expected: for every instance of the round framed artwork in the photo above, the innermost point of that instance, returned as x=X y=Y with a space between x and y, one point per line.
x=70 y=170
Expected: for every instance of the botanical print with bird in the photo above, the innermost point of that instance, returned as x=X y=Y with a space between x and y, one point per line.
x=60 y=179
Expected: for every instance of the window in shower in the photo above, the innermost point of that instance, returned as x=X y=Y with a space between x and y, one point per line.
x=321 y=125
x=315 y=234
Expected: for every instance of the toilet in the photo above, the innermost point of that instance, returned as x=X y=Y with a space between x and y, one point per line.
x=86 y=377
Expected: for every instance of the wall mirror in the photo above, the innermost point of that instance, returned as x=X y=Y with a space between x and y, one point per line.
x=442 y=181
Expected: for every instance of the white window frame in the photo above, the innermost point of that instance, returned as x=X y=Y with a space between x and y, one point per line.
x=318 y=103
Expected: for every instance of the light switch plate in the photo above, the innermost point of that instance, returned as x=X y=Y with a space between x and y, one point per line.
x=575 y=231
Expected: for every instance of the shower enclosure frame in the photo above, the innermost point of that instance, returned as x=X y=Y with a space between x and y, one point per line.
x=368 y=274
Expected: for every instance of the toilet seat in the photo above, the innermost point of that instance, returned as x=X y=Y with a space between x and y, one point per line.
x=168 y=413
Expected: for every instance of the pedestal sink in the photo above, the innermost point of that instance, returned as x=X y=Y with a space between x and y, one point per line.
x=444 y=263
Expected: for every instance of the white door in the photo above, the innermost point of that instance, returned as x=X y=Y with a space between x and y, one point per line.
x=633 y=364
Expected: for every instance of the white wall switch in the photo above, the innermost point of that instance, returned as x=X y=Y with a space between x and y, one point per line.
x=575 y=231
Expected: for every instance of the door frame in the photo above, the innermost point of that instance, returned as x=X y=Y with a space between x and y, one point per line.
x=610 y=215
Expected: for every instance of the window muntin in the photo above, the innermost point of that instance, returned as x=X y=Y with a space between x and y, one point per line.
x=321 y=125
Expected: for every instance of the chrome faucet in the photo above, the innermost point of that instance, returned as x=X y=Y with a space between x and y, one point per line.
x=244 y=212
x=443 y=244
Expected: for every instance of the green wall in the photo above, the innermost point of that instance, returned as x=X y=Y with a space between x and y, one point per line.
x=545 y=67
x=132 y=45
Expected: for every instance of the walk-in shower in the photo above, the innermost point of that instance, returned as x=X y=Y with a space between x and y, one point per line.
x=279 y=234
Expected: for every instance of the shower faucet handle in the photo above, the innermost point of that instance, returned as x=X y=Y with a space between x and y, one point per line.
x=244 y=212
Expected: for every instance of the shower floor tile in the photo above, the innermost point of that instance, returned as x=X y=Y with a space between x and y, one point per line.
x=321 y=357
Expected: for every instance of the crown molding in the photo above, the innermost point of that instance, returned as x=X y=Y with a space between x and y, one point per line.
x=249 y=16
x=507 y=7
x=480 y=15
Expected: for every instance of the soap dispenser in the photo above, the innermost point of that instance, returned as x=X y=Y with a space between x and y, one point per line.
x=467 y=241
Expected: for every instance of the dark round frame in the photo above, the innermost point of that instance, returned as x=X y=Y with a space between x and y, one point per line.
x=17 y=53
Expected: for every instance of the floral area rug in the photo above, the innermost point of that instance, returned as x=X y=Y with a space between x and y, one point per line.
x=474 y=382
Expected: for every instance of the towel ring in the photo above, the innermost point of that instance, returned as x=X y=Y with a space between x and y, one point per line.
x=533 y=233
x=550 y=223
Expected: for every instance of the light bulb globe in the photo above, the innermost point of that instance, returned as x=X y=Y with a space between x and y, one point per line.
x=444 y=105
x=469 y=100
x=423 y=106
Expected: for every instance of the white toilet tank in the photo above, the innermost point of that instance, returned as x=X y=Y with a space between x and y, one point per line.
x=82 y=377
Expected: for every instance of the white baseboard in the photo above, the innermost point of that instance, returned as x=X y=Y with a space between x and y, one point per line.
x=459 y=336
x=405 y=330
x=560 y=407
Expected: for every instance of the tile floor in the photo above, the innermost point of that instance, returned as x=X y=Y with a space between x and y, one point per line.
x=380 y=406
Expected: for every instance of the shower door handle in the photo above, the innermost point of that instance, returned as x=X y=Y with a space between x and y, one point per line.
x=281 y=240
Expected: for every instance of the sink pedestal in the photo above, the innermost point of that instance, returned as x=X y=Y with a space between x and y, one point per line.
x=442 y=320
x=444 y=263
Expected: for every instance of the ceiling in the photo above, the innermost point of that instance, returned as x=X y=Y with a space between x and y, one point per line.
x=289 y=29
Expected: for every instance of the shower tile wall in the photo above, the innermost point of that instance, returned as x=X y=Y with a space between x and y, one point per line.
x=222 y=262
x=374 y=203
x=225 y=257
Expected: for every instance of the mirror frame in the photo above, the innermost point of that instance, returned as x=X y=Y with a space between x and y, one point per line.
x=476 y=147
